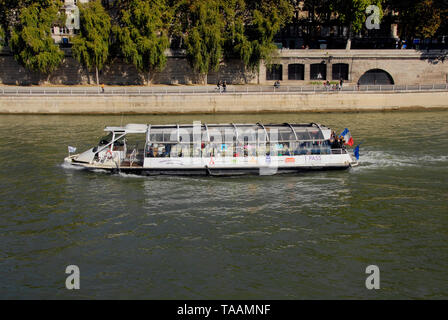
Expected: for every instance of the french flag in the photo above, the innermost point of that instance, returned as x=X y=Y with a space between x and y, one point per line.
x=347 y=137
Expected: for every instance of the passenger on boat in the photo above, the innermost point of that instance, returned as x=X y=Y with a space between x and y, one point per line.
x=167 y=150
x=149 y=151
x=155 y=150
x=326 y=147
x=316 y=148
x=339 y=143
x=334 y=143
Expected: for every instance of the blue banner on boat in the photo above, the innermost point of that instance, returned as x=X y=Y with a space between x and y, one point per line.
x=356 y=151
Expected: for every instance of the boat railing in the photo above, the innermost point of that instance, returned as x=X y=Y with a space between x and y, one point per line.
x=338 y=151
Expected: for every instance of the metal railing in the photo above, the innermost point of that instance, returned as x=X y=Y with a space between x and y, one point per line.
x=198 y=90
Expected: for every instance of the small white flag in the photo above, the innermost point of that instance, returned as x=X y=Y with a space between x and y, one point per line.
x=71 y=149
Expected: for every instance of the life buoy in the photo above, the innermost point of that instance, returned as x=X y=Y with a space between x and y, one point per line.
x=109 y=154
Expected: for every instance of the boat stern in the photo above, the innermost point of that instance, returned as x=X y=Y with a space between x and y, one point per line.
x=353 y=162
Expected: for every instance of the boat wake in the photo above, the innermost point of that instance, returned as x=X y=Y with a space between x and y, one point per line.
x=69 y=166
x=377 y=159
x=129 y=175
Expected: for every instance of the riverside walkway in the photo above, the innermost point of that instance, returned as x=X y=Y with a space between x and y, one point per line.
x=201 y=90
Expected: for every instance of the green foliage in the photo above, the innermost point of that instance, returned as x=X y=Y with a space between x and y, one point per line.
x=203 y=34
x=244 y=29
x=353 y=12
x=251 y=27
x=419 y=18
x=208 y=30
x=2 y=37
x=31 y=40
x=141 y=34
x=267 y=19
x=91 y=46
x=431 y=15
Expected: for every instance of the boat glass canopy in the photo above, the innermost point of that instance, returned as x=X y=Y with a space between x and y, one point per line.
x=228 y=132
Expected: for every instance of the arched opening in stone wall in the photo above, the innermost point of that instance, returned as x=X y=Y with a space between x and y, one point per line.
x=376 y=77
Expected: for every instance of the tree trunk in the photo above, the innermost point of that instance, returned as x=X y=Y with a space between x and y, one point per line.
x=97 y=79
x=349 y=39
x=148 y=79
x=349 y=44
x=244 y=74
x=88 y=74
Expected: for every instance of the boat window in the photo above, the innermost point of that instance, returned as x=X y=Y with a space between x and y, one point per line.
x=216 y=136
x=280 y=133
x=185 y=134
x=305 y=133
x=227 y=133
x=170 y=135
x=132 y=141
x=302 y=135
x=156 y=135
x=248 y=133
x=167 y=134
x=119 y=145
x=162 y=150
x=106 y=139
x=315 y=134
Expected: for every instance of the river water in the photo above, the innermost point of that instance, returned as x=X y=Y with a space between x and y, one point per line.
x=306 y=236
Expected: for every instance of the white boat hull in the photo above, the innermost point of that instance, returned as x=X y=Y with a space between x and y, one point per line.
x=226 y=165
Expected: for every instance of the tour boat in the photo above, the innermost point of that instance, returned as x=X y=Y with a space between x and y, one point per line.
x=215 y=149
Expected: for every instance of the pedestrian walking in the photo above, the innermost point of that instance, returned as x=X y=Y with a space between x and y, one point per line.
x=102 y=87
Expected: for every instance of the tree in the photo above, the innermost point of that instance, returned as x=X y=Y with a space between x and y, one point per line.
x=428 y=12
x=442 y=5
x=353 y=14
x=2 y=38
x=203 y=27
x=8 y=15
x=236 y=41
x=91 y=46
x=419 y=18
x=251 y=27
x=31 y=41
x=141 y=35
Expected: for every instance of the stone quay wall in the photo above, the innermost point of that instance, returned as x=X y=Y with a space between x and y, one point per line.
x=404 y=67
x=222 y=103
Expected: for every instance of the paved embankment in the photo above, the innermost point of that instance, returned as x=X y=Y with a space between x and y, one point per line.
x=221 y=103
